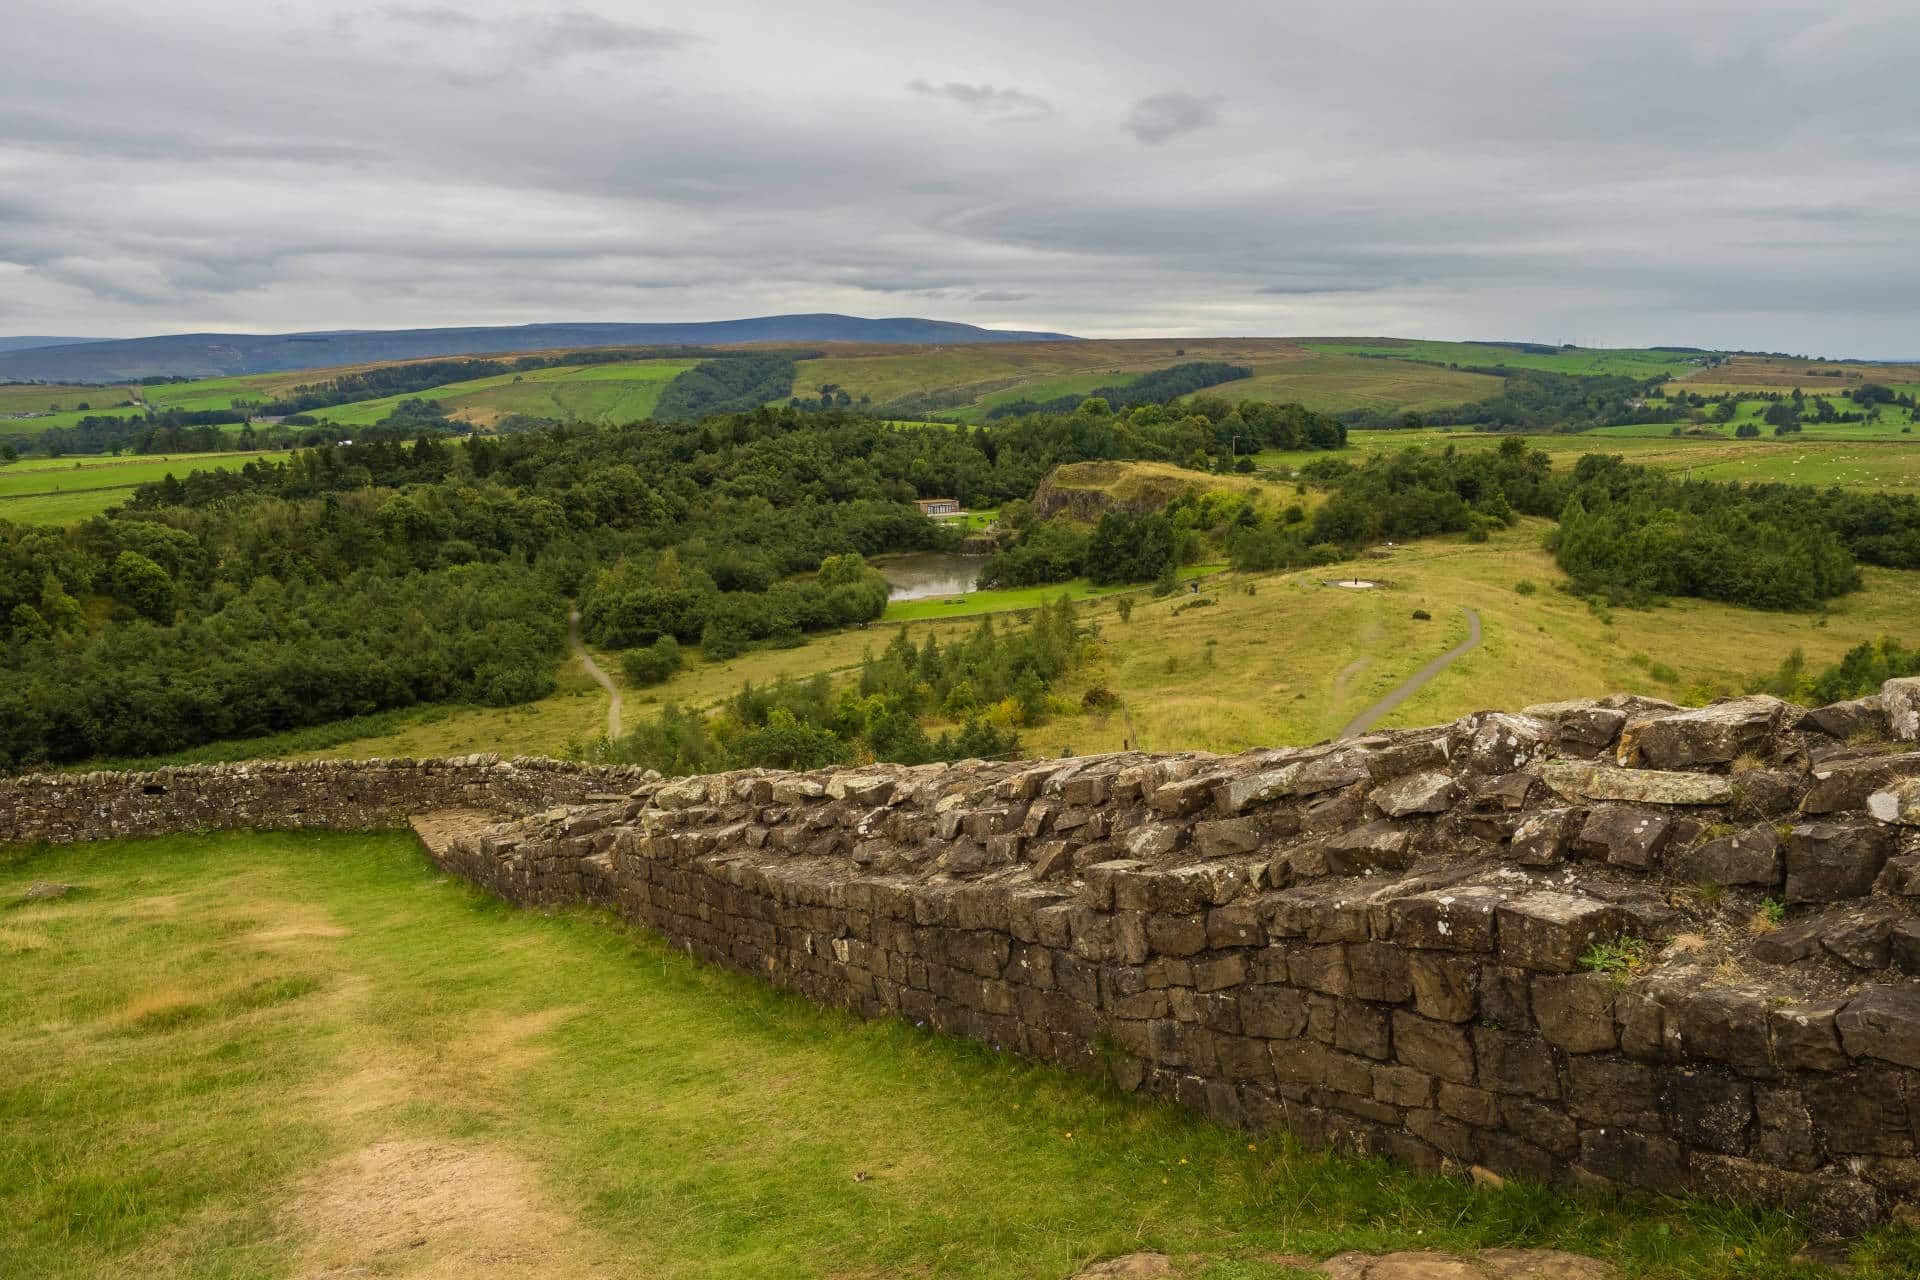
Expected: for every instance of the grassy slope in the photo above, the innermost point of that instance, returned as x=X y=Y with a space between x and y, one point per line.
x=1298 y=660
x=65 y=490
x=219 y=1045
x=1283 y=370
x=588 y=393
x=1889 y=460
x=1631 y=362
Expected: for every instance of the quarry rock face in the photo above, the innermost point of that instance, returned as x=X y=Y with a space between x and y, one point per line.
x=1606 y=942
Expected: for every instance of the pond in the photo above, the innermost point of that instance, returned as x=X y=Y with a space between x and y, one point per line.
x=919 y=575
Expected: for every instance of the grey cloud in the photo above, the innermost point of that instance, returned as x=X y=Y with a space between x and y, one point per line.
x=1162 y=117
x=1012 y=104
x=589 y=164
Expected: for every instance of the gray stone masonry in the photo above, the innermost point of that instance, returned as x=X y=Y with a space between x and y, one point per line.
x=1593 y=943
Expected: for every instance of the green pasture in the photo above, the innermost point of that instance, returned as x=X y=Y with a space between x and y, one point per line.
x=1585 y=361
x=277 y=1055
x=587 y=393
x=66 y=490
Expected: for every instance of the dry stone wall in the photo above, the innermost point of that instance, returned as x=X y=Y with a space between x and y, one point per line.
x=1540 y=943
x=340 y=795
x=1610 y=942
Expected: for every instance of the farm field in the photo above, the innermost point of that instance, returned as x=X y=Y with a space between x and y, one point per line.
x=404 y=1035
x=64 y=490
x=606 y=393
x=1331 y=382
x=969 y=381
x=41 y=397
x=1584 y=361
x=1891 y=462
x=1779 y=374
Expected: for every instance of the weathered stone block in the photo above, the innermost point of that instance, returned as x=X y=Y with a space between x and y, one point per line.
x=1576 y=780
x=1720 y=1024
x=1899 y=803
x=1827 y=861
x=1861 y=1112
x=1901 y=698
x=1377 y=846
x=1541 y=839
x=1444 y=986
x=1379 y=971
x=1710 y=1109
x=1717 y=734
x=1883 y=1022
x=1624 y=835
x=1550 y=931
x=1437 y=1048
x=1446 y=919
x=1510 y=1062
x=1416 y=793
x=1615 y=1093
x=1575 y=1011
x=1749 y=856
x=1272 y=1012
x=1806 y=1037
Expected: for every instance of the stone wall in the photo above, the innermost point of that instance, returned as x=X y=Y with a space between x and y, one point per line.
x=1591 y=943
x=339 y=795
x=1386 y=944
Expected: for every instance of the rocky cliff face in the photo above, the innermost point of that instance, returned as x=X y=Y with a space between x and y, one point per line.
x=1602 y=942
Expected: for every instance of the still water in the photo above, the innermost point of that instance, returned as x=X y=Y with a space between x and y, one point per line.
x=919 y=575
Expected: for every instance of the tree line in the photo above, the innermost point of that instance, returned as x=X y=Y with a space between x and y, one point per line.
x=1158 y=387
x=910 y=704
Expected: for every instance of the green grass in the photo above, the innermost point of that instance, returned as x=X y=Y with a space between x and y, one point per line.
x=66 y=490
x=1888 y=461
x=1331 y=382
x=978 y=602
x=586 y=393
x=209 y=1041
x=1583 y=361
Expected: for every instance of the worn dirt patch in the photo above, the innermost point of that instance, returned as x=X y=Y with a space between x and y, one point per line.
x=437 y=1210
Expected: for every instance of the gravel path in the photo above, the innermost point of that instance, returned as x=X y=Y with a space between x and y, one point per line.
x=613 y=690
x=1411 y=685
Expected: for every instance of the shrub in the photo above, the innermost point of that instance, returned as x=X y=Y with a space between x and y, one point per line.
x=1525 y=587
x=655 y=664
x=1421 y=615
x=1099 y=698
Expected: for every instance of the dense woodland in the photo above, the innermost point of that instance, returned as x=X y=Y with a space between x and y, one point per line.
x=354 y=578
x=1158 y=387
x=984 y=688
x=350 y=579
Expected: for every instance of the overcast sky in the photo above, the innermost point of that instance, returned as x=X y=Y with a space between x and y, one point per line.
x=1717 y=174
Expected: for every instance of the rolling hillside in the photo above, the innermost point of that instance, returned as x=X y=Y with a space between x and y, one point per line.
x=210 y=354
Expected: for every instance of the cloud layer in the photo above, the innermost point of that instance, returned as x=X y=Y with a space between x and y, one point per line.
x=1741 y=175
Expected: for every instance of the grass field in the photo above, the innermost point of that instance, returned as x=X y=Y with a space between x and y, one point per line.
x=1777 y=374
x=302 y=1054
x=65 y=490
x=585 y=393
x=1888 y=460
x=1580 y=361
x=1298 y=660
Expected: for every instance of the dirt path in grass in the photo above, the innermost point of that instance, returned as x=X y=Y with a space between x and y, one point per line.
x=1411 y=685
x=593 y=669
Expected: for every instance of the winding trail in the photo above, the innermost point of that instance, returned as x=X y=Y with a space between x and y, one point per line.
x=613 y=690
x=1411 y=685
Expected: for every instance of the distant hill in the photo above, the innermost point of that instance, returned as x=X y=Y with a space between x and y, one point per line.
x=205 y=355
x=24 y=341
